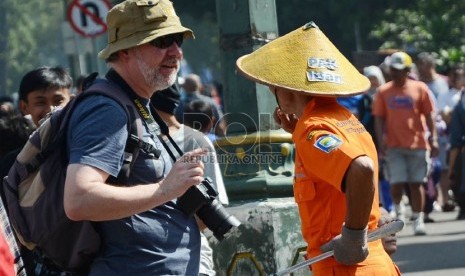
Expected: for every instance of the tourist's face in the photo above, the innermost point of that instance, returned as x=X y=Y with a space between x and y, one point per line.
x=158 y=66
x=41 y=102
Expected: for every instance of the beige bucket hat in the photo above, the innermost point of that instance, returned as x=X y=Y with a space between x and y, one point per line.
x=136 y=22
x=304 y=61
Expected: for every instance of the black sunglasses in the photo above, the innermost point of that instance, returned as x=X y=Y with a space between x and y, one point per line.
x=166 y=41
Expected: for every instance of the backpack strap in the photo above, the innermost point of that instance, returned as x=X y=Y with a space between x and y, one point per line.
x=57 y=129
x=135 y=142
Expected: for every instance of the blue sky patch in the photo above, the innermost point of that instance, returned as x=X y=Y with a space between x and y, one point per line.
x=328 y=142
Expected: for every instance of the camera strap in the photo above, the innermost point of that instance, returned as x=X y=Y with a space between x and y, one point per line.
x=152 y=120
x=164 y=129
x=157 y=126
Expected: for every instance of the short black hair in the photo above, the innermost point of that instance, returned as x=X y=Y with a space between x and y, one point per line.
x=44 y=78
x=167 y=100
x=6 y=99
x=8 y=104
x=198 y=114
x=79 y=82
x=14 y=130
x=427 y=58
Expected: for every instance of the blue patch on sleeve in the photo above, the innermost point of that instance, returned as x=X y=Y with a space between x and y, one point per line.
x=328 y=142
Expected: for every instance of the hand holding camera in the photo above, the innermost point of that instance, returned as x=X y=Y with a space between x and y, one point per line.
x=202 y=200
x=196 y=194
x=186 y=172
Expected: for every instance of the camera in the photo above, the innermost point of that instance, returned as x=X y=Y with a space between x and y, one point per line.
x=202 y=200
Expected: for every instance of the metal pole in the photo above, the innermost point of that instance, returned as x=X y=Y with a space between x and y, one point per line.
x=384 y=231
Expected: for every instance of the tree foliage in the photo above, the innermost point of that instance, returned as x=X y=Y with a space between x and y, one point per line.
x=436 y=26
x=33 y=38
x=31 y=30
x=347 y=23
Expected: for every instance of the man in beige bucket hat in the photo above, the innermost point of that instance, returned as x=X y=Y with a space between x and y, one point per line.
x=336 y=166
x=143 y=231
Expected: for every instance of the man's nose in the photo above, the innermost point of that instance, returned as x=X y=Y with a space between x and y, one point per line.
x=175 y=50
x=50 y=108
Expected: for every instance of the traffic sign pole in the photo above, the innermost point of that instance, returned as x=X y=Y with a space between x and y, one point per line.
x=87 y=17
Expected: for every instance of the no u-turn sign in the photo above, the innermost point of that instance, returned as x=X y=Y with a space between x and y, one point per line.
x=87 y=17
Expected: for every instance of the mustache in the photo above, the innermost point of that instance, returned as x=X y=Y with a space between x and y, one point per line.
x=172 y=62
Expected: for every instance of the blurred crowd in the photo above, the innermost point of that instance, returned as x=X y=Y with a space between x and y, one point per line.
x=45 y=89
x=200 y=106
x=442 y=189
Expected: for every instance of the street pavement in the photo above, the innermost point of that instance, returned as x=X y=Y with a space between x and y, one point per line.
x=440 y=252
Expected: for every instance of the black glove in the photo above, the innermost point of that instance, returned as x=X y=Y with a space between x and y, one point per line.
x=350 y=247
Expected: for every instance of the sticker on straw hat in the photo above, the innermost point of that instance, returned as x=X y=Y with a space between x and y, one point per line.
x=328 y=143
x=322 y=63
x=324 y=76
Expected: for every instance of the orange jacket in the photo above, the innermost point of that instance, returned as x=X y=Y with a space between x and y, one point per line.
x=327 y=138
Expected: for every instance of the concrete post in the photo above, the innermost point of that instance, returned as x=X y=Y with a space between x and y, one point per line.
x=257 y=162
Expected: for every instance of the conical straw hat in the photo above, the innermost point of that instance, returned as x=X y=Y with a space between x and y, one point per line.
x=305 y=61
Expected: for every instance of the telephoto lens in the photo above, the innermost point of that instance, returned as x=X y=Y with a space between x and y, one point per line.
x=217 y=219
x=202 y=201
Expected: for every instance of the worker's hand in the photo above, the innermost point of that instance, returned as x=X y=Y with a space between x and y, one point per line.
x=286 y=121
x=350 y=247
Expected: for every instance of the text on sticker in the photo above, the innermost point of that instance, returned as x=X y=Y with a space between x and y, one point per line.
x=324 y=76
x=322 y=63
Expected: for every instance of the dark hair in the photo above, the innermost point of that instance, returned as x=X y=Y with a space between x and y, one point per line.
x=79 y=83
x=167 y=100
x=455 y=72
x=427 y=58
x=15 y=131
x=7 y=106
x=192 y=83
x=7 y=99
x=198 y=114
x=44 y=78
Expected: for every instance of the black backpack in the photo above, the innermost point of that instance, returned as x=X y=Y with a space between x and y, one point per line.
x=34 y=186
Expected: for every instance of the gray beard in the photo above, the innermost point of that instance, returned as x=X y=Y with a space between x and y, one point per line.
x=152 y=77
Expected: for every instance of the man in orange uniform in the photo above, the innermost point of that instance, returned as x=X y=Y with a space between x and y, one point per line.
x=336 y=169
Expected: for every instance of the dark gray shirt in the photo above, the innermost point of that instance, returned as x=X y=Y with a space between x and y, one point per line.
x=161 y=241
